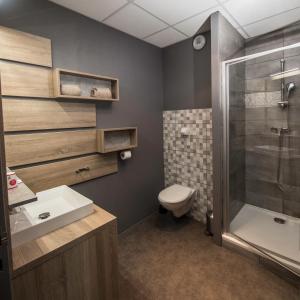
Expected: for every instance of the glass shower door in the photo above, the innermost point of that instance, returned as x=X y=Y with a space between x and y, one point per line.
x=262 y=153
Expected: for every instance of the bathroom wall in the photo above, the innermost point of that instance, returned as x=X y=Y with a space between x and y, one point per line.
x=82 y=44
x=263 y=187
x=188 y=158
x=187 y=103
x=187 y=75
x=226 y=43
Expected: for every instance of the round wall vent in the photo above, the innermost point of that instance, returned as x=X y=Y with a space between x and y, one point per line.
x=199 y=42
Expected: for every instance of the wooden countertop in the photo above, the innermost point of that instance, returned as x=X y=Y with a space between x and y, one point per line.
x=30 y=254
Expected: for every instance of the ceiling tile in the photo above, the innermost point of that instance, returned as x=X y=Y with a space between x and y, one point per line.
x=229 y=17
x=137 y=17
x=242 y=33
x=249 y=11
x=173 y=11
x=135 y=21
x=95 y=9
x=166 y=37
x=191 y=25
x=273 y=23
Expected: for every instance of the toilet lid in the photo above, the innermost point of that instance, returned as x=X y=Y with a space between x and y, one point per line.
x=175 y=193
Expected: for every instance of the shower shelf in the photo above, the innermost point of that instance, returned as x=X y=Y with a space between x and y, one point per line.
x=116 y=139
x=86 y=81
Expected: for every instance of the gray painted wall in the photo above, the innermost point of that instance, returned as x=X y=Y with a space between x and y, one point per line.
x=187 y=76
x=82 y=44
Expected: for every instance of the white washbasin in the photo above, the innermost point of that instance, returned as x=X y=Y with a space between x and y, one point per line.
x=64 y=205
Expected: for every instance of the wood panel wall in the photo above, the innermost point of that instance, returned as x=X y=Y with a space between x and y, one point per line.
x=48 y=142
x=26 y=80
x=74 y=170
x=24 y=47
x=33 y=114
x=48 y=146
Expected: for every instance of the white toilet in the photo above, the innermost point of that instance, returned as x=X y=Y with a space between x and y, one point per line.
x=177 y=199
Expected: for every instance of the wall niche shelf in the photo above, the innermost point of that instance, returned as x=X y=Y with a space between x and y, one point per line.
x=116 y=139
x=86 y=82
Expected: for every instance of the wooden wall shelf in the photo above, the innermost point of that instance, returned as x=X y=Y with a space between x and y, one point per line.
x=86 y=81
x=116 y=139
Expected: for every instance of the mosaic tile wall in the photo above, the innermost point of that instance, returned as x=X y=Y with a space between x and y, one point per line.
x=262 y=99
x=188 y=158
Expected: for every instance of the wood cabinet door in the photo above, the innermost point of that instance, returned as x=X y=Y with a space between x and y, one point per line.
x=5 y=248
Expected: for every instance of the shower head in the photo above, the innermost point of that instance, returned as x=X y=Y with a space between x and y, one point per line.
x=290 y=87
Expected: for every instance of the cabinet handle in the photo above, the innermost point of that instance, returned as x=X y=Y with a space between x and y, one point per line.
x=82 y=170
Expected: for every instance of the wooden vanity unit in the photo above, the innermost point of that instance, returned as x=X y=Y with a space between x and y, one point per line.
x=76 y=262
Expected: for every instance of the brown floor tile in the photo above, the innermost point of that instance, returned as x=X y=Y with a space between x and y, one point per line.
x=162 y=259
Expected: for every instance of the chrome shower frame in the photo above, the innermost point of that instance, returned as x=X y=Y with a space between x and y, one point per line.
x=224 y=107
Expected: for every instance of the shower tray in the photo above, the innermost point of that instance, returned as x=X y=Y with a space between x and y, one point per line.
x=258 y=227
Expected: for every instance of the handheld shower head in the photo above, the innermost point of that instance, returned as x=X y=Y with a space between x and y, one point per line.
x=289 y=88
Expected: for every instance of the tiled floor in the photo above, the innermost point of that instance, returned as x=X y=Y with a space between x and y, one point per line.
x=161 y=259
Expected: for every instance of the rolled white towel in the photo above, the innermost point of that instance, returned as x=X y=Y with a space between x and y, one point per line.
x=70 y=89
x=101 y=92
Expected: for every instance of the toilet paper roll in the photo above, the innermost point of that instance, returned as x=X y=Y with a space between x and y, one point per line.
x=125 y=155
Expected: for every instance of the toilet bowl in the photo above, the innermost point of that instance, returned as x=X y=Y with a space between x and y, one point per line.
x=177 y=199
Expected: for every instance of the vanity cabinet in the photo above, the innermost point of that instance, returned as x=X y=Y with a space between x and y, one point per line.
x=76 y=262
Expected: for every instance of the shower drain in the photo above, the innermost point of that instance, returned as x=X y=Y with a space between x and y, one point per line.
x=279 y=220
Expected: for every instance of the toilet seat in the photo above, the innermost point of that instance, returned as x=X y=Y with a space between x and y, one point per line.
x=175 y=193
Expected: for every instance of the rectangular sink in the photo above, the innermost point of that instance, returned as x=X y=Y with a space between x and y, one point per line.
x=62 y=204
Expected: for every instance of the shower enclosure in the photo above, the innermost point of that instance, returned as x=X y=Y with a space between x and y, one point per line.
x=261 y=161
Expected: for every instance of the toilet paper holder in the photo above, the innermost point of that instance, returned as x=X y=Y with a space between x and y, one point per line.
x=124 y=155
